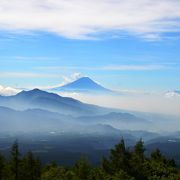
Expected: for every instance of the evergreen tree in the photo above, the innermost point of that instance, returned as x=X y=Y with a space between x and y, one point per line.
x=121 y=175
x=2 y=164
x=160 y=167
x=30 y=167
x=139 y=150
x=122 y=164
x=157 y=156
x=106 y=165
x=119 y=159
x=137 y=163
x=15 y=160
x=82 y=169
x=54 y=173
x=98 y=174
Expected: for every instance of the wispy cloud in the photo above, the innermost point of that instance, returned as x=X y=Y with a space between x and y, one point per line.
x=151 y=67
x=72 y=77
x=27 y=75
x=134 y=68
x=85 y=19
x=35 y=58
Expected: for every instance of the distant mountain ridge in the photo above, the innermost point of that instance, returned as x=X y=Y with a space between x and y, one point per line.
x=84 y=84
x=37 y=98
x=41 y=120
x=51 y=106
x=113 y=117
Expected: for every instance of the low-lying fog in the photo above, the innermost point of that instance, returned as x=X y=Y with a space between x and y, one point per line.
x=132 y=101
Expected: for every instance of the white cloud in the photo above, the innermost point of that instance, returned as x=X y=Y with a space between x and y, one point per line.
x=71 y=78
x=147 y=67
x=76 y=76
x=133 y=67
x=27 y=75
x=85 y=19
x=8 y=91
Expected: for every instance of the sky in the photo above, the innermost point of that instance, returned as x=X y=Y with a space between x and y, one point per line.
x=122 y=44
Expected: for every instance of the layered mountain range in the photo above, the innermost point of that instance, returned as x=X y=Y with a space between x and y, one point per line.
x=54 y=126
x=49 y=111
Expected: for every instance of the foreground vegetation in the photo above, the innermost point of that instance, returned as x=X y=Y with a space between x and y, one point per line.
x=122 y=164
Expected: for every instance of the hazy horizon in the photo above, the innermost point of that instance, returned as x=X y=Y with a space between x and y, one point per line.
x=123 y=47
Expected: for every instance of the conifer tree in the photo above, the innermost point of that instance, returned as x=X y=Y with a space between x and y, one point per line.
x=30 y=167
x=2 y=164
x=15 y=160
x=82 y=168
x=119 y=159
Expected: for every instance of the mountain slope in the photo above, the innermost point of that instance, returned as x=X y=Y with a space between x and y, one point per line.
x=77 y=111
x=112 y=117
x=49 y=101
x=84 y=84
x=30 y=120
x=37 y=120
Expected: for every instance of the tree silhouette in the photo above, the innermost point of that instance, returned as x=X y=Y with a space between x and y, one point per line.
x=2 y=164
x=15 y=159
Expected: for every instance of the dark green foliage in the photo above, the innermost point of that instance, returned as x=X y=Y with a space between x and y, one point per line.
x=125 y=164
x=25 y=168
x=122 y=164
x=160 y=167
x=98 y=174
x=30 y=167
x=55 y=173
x=82 y=169
x=137 y=162
x=121 y=175
x=2 y=163
x=15 y=160
x=118 y=159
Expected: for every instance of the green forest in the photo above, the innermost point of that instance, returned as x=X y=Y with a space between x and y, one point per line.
x=122 y=164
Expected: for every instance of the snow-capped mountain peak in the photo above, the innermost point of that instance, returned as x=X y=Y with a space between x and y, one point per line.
x=83 y=84
x=172 y=94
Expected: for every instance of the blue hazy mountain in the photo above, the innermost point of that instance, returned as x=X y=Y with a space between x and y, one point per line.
x=49 y=101
x=76 y=111
x=112 y=117
x=37 y=120
x=85 y=85
x=30 y=120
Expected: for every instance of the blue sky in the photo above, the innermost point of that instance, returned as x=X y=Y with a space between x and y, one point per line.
x=139 y=53
x=43 y=59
